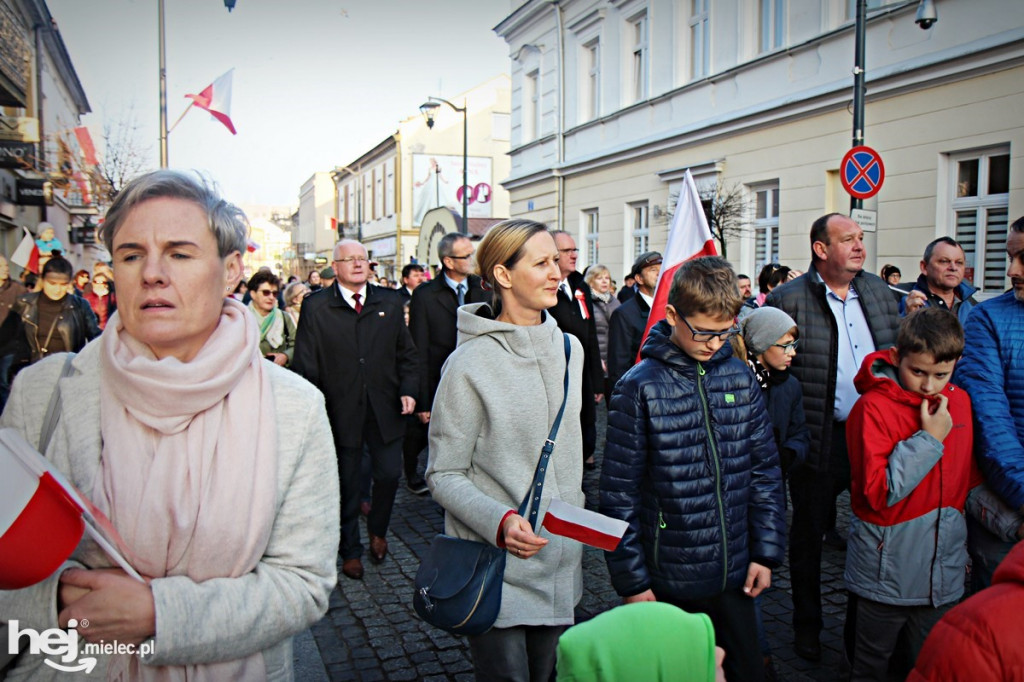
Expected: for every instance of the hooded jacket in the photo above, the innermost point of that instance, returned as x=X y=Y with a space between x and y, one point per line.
x=499 y=394
x=815 y=365
x=691 y=465
x=908 y=532
x=980 y=640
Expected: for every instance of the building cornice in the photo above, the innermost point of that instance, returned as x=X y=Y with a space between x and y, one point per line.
x=525 y=14
x=43 y=21
x=987 y=56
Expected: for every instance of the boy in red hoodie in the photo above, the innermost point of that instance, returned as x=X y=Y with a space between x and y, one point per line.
x=909 y=437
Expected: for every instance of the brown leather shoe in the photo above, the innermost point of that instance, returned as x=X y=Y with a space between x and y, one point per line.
x=353 y=568
x=378 y=548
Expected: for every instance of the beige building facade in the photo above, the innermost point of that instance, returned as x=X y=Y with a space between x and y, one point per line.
x=758 y=100
x=384 y=194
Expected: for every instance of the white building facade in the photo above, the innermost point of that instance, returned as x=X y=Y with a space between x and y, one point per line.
x=385 y=192
x=613 y=99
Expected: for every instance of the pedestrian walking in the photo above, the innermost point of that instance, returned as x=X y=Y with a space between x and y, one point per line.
x=352 y=344
x=214 y=466
x=492 y=413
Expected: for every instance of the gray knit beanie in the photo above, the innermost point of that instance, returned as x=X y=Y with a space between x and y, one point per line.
x=763 y=327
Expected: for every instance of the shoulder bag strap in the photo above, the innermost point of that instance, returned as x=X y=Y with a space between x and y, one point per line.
x=53 y=409
x=549 y=446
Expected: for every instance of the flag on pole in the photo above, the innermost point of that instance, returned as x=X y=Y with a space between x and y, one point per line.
x=216 y=99
x=86 y=145
x=689 y=237
x=582 y=525
x=27 y=254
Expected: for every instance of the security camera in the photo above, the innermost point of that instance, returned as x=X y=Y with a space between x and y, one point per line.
x=926 y=14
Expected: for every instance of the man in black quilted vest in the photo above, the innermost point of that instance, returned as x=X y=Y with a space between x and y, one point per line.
x=844 y=313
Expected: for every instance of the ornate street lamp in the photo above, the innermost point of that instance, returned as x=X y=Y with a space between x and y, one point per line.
x=429 y=111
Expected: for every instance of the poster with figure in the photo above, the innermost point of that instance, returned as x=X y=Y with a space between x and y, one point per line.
x=437 y=180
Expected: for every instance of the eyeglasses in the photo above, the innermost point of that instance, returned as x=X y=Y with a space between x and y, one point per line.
x=352 y=259
x=267 y=292
x=466 y=257
x=786 y=347
x=568 y=251
x=704 y=337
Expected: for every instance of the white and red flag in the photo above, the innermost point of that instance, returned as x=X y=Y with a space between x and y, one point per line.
x=43 y=517
x=216 y=99
x=689 y=237
x=27 y=254
x=590 y=528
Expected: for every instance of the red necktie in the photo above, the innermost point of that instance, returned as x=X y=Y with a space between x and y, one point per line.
x=358 y=306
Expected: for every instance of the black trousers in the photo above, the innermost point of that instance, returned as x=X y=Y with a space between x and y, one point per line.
x=386 y=459
x=413 y=444
x=813 y=494
x=525 y=653
x=877 y=630
x=735 y=622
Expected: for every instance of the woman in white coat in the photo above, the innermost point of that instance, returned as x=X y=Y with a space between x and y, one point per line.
x=498 y=397
x=216 y=467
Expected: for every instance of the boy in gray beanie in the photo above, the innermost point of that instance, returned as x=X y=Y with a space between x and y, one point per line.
x=767 y=341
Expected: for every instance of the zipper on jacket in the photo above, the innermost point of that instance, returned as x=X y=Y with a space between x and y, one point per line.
x=657 y=537
x=718 y=474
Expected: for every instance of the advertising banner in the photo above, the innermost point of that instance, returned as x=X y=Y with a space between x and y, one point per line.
x=436 y=181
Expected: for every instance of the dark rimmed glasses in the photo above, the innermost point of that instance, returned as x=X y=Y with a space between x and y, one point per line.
x=704 y=337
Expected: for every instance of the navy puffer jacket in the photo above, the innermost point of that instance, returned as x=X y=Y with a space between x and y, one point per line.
x=691 y=465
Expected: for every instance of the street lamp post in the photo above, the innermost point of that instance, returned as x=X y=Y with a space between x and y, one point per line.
x=429 y=110
x=926 y=18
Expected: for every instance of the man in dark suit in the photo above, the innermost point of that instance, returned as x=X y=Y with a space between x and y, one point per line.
x=352 y=344
x=573 y=313
x=412 y=277
x=626 y=328
x=432 y=323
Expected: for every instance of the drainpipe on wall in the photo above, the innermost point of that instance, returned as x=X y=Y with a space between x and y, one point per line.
x=560 y=117
x=39 y=28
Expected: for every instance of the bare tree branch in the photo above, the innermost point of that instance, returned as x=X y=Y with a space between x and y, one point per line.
x=725 y=209
x=124 y=155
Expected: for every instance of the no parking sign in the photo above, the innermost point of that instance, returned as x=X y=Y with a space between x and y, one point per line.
x=862 y=172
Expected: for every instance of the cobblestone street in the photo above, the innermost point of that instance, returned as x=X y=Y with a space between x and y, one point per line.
x=371 y=631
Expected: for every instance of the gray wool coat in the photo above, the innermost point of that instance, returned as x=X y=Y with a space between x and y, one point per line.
x=499 y=393
x=220 y=619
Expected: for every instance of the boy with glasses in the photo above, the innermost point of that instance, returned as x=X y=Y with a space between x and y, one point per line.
x=691 y=465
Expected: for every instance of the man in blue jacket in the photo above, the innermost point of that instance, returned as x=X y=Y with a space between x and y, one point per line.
x=941 y=282
x=992 y=373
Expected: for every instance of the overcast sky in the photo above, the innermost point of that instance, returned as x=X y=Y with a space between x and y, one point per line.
x=316 y=82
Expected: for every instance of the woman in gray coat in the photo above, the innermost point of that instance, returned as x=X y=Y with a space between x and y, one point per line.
x=499 y=393
x=215 y=466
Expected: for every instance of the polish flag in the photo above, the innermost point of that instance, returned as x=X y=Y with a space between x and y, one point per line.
x=590 y=528
x=689 y=237
x=86 y=145
x=251 y=246
x=216 y=99
x=27 y=253
x=43 y=517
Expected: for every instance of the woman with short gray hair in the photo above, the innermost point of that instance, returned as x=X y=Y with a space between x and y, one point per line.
x=216 y=467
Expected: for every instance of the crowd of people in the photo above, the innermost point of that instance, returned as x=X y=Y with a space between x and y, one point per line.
x=264 y=416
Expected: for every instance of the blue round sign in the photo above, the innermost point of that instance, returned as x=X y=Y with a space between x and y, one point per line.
x=862 y=172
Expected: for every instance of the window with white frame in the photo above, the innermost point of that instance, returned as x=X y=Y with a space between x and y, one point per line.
x=389 y=188
x=773 y=23
x=591 y=234
x=590 y=80
x=981 y=207
x=700 y=39
x=639 y=56
x=766 y=224
x=640 y=227
x=531 y=106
